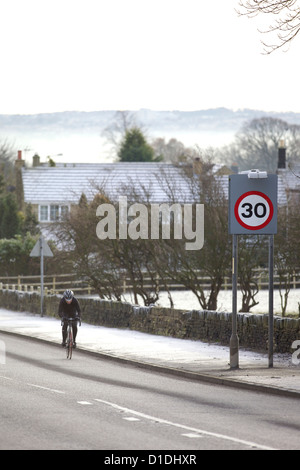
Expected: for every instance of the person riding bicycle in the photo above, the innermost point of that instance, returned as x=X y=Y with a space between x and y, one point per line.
x=69 y=308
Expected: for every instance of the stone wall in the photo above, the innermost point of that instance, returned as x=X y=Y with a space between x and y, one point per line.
x=207 y=326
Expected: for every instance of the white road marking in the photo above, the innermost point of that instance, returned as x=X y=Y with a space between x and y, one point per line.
x=131 y=418
x=192 y=435
x=46 y=388
x=187 y=428
x=84 y=402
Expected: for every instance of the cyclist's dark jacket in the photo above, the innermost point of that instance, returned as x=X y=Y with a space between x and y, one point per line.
x=71 y=310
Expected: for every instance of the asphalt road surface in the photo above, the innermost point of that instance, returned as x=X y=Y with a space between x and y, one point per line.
x=49 y=402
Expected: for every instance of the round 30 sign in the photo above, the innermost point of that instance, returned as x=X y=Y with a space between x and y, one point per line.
x=253 y=210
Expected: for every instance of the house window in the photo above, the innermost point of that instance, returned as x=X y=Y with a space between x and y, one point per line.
x=52 y=212
x=64 y=210
x=44 y=213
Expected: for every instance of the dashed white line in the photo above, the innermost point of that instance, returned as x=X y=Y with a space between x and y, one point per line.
x=187 y=428
x=192 y=435
x=46 y=388
x=84 y=402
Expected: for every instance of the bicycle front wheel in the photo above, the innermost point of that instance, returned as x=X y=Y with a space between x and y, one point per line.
x=69 y=343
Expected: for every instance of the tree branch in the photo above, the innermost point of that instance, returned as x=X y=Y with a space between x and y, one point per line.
x=286 y=26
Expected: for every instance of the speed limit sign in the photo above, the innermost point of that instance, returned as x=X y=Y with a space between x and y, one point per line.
x=253 y=210
x=252 y=205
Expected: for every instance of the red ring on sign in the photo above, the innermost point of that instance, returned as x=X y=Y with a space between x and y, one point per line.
x=253 y=193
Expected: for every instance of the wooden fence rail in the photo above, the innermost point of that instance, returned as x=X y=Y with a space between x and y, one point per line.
x=56 y=284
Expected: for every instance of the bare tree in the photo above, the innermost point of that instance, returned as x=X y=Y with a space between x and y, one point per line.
x=286 y=25
x=256 y=144
x=90 y=258
x=172 y=151
x=287 y=250
x=252 y=254
x=213 y=261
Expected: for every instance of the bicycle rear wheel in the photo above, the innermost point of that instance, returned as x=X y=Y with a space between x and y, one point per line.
x=69 y=347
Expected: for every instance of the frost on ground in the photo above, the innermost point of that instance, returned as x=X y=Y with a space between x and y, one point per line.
x=133 y=344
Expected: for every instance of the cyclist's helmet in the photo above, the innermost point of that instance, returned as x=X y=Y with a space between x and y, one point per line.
x=68 y=295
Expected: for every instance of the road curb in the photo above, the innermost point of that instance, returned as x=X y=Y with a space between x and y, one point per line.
x=164 y=369
x=200 y=377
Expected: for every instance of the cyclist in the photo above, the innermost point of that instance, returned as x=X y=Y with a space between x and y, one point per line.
x=69 y=308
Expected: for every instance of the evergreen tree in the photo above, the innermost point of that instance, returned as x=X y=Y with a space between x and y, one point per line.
x=135 y=148
x=30 y=222
x=9 y=217
x=1 y=184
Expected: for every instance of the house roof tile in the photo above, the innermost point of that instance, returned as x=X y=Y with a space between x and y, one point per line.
x=66 y=182
x=154 y=182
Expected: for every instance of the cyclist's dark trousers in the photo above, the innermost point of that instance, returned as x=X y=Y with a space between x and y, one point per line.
x=64 y=331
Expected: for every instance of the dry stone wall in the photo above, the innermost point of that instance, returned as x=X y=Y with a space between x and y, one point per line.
x=201 y=325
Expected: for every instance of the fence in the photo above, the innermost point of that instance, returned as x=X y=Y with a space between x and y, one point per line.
x=53 y=284
x=56 y=284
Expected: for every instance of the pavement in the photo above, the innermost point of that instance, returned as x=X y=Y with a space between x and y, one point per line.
x=186 y=358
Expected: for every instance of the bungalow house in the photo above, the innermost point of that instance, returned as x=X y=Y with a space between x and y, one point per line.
x=52 y=190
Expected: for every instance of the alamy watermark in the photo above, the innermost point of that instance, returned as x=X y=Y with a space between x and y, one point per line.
x=296 y=354
x=146 y=222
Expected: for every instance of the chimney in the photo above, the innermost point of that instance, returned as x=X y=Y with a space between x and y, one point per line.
x=19 y=162
x=36 y=160
x=281 y=155
x=197 y=166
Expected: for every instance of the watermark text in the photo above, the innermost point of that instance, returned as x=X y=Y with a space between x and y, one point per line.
x=152 y=222
x=296 y=354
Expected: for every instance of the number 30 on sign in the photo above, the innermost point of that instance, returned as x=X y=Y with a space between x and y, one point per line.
x=253 y=210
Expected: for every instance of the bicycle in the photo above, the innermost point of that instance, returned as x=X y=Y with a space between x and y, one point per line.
x=69 y=340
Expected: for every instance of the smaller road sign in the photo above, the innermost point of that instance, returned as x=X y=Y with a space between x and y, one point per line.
x=41 y=247
x=253 y=210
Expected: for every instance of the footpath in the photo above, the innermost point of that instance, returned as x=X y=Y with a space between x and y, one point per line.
x=191 y=359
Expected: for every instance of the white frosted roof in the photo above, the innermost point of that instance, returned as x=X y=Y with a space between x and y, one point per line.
x=291 y=177
x=66 y=183
x=155 y=182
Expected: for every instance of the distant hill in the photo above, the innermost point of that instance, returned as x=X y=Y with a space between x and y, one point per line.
x=219 y=119
x=78 y=135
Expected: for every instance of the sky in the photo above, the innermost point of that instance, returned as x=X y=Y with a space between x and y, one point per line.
x=90 y=55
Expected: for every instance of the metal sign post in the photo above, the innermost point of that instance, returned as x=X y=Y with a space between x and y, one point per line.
x=271 y=299
x=234 y=339
x=252 y=211
x=41 y=248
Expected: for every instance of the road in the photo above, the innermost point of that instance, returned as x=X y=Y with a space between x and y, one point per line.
x=48 y=402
